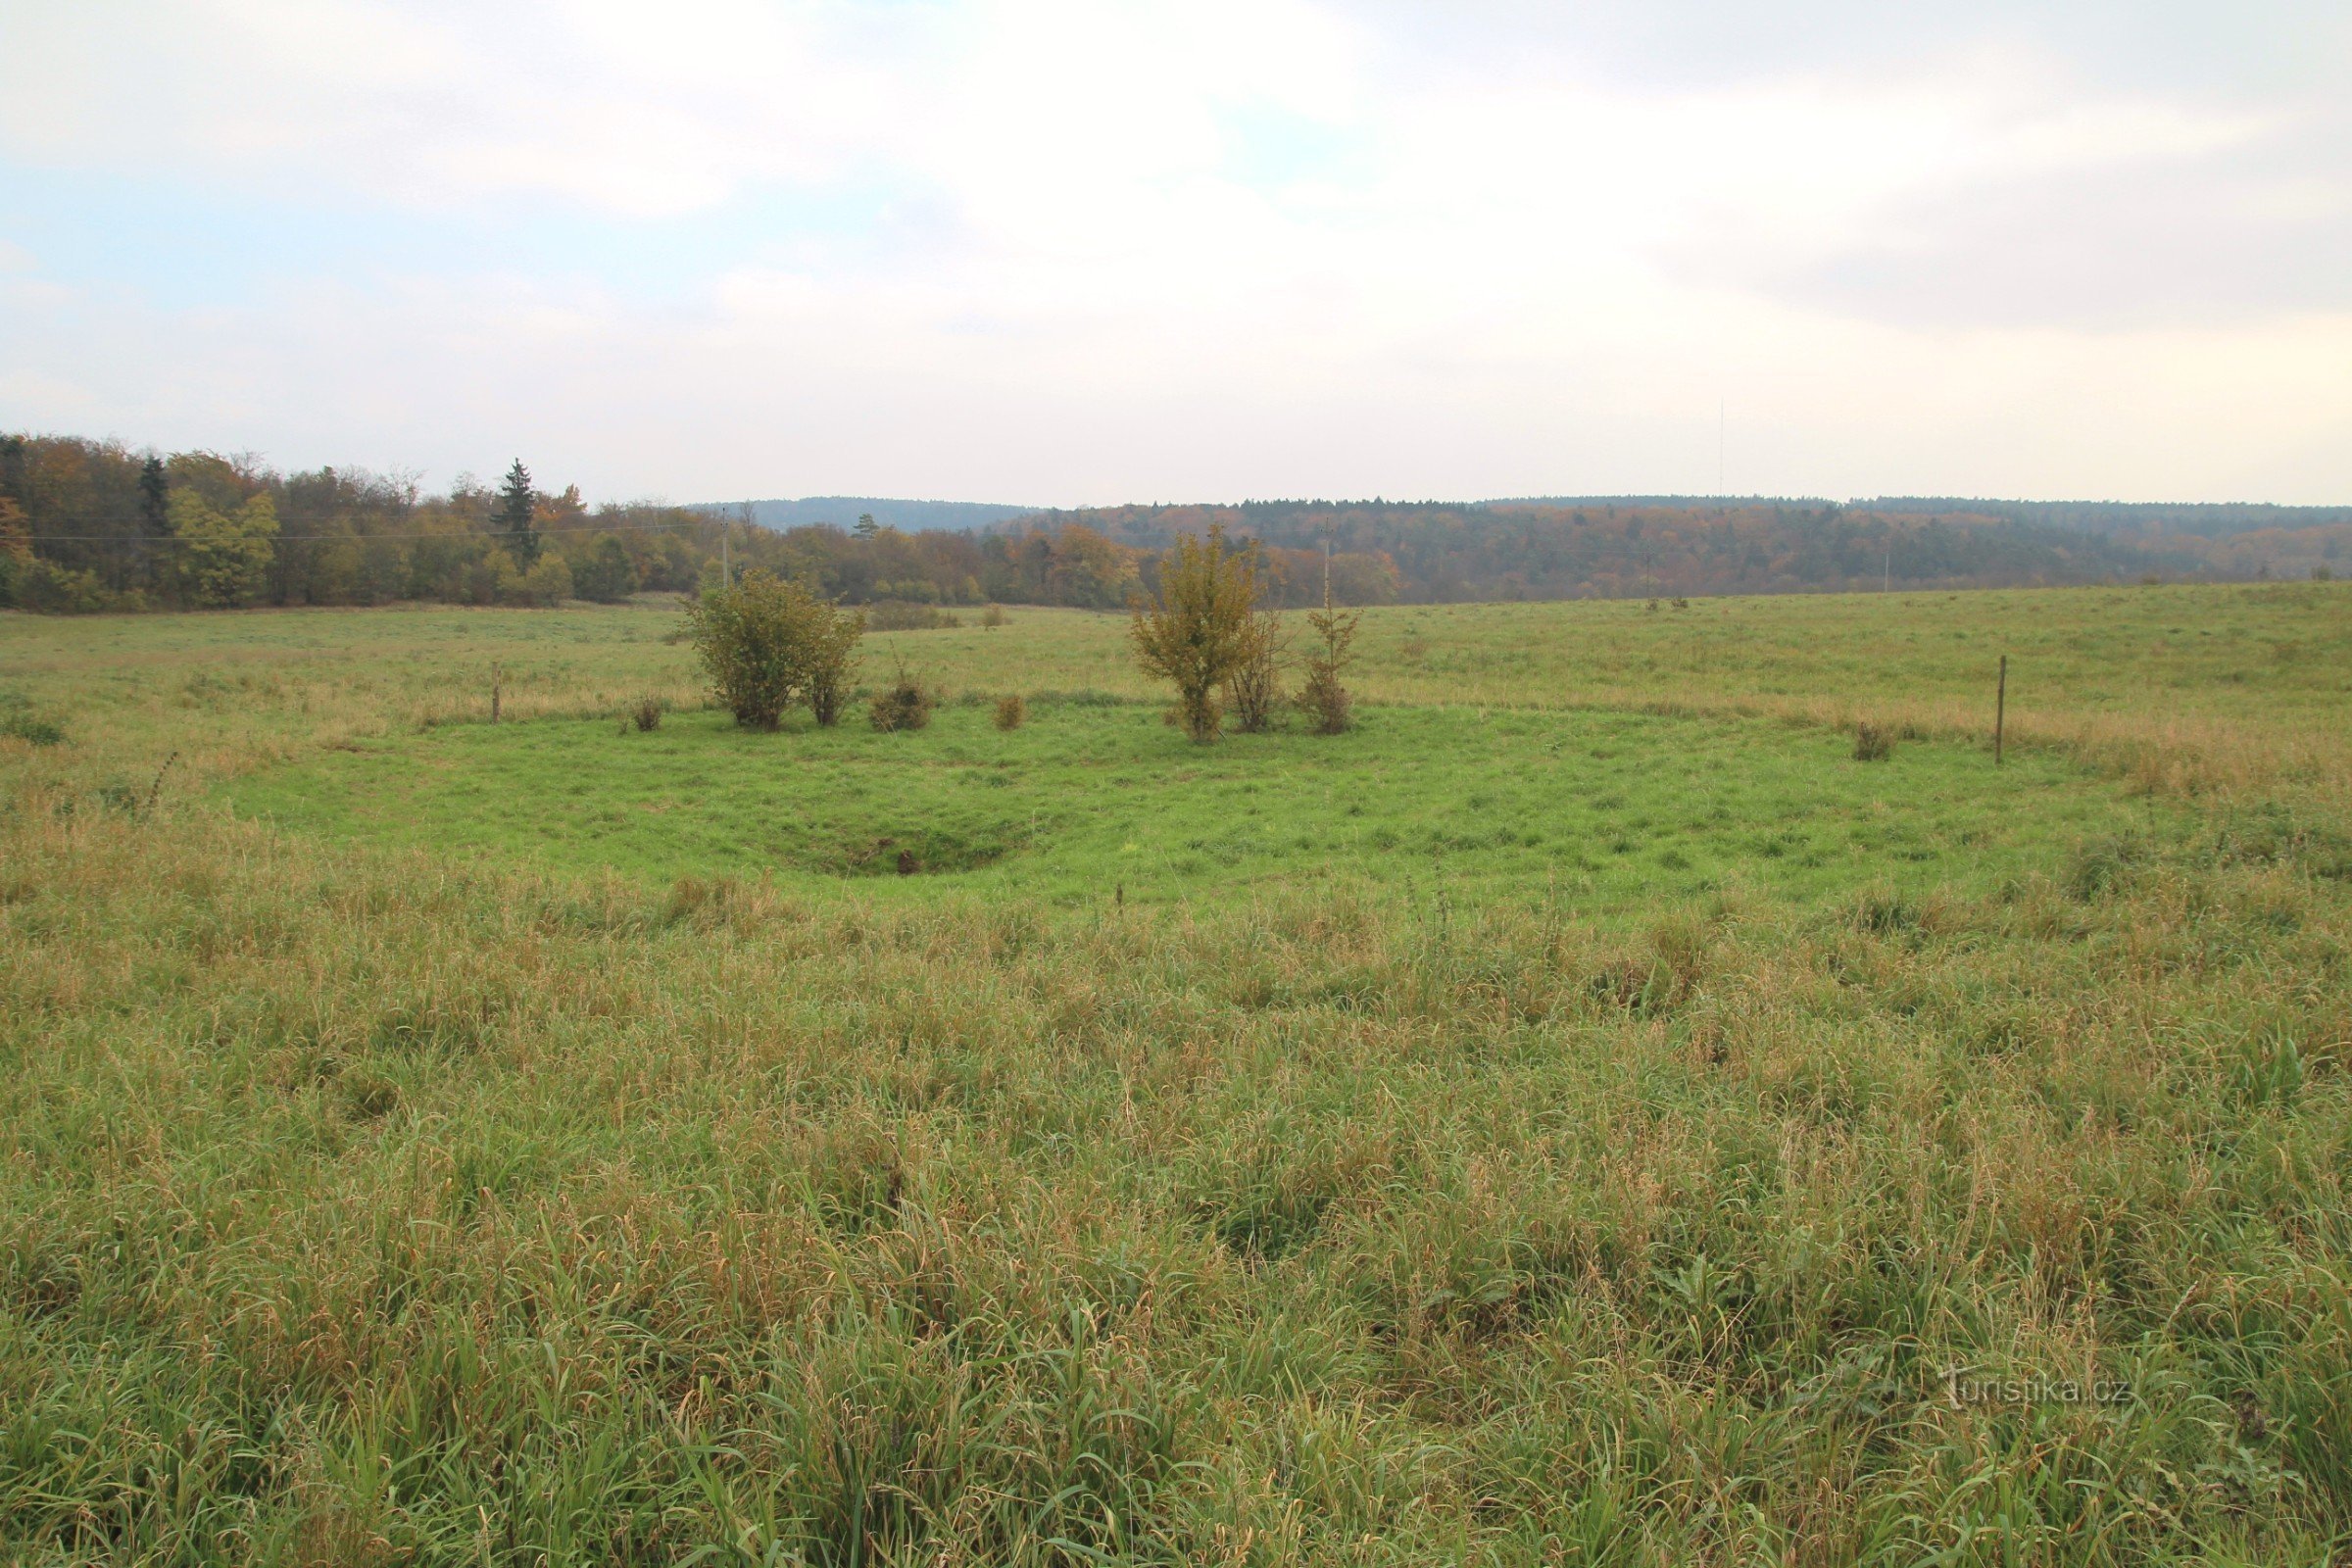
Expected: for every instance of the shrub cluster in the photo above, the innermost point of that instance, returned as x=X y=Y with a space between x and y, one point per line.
x=1200 y=631
x=1209 y=631
x=768 y=643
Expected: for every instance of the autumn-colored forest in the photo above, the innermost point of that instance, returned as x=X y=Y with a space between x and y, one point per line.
x=95 y=525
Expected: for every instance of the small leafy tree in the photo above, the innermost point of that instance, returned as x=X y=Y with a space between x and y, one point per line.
x=1326 y=701
x=1198 y=631
x=767 y=643
x=516 y=505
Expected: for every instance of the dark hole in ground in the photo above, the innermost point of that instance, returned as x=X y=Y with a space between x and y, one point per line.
x=918 y=853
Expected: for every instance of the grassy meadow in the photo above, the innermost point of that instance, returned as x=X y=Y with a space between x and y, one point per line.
x=1583 y=1116
x=1602 y=812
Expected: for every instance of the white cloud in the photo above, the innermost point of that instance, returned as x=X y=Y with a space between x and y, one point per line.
x=1235 y=246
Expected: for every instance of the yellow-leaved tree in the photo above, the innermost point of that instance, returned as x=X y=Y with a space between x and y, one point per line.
x=1202 y=627
x=224 y=557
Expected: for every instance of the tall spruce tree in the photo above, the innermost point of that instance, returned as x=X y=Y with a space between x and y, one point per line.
x=155 y=523
x=513 y=520
x=155 y=500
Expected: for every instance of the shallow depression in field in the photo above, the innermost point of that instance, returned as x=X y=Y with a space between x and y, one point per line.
x=1095 y=800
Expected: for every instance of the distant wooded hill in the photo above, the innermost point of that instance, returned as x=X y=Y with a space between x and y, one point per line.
x=1679 y=546
x=2147 y=520
x=2204 y=519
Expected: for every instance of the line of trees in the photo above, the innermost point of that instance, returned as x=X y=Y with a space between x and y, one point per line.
x=92 y=525
x=88 y=525
x=1051 y=559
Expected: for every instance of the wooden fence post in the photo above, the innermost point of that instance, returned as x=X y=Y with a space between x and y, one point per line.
x=2000 y=710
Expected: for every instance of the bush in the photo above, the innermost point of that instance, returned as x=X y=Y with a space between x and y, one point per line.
x=54 y=590
x=1872 y=742
x=647 y=714
x=767 y=643
x=1329 y=709
x=547 y=584
x=1011 y=711
x=904 y=705
x=993 y=616
x=832 y=661
x=1256 y=686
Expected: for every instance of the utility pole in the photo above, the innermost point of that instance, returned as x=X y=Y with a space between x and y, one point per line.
x=1887 y=567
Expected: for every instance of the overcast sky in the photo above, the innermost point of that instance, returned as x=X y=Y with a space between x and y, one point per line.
x=1073 y=253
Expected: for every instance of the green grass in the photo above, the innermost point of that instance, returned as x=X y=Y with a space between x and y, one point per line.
x=416 y=1152
x=1092 y=800
x=2191 y=688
